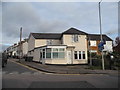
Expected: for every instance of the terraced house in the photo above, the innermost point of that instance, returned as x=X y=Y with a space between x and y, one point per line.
x=69 y=47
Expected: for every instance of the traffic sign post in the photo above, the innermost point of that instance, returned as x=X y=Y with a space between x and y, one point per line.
x=101 y=46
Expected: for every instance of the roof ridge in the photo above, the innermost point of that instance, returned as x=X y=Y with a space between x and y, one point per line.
x=74 y=31
x=47 y=33
x=96 y=34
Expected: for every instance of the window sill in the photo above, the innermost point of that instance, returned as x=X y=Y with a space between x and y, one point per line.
x=79 y=59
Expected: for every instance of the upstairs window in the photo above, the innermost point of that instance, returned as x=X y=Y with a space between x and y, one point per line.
x=49 y=42
x=75 y=38
x=93 y=43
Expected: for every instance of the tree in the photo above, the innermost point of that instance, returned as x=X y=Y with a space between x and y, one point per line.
x=117 y=40
x=116 y=48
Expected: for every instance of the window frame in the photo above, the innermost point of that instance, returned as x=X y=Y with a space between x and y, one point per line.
x=93 y=43
x=75 y=38
x=48 y=52
x=58 y=51
x=49 y=42
x=80 y=54
x=75 y=54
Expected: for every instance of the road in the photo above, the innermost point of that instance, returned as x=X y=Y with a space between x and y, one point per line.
x=16 y=75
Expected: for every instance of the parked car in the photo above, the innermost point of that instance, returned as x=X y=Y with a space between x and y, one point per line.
x=4 y=59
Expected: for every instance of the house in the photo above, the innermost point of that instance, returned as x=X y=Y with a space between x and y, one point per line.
x=24 y=48
x=68 y=47
x=12 y=50
x=94 y=40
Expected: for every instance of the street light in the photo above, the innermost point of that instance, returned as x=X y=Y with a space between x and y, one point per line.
x=20 y=45
x=89 y=50
x=101 y=35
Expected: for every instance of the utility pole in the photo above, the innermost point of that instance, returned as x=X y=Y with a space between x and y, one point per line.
x=101 y=35
x=90 y=53
x=20 y=53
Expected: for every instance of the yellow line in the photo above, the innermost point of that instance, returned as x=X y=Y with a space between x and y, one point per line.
x=40 y=71
x=45 y=72
x=26 y=66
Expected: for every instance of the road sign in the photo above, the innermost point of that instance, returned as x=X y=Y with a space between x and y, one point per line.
x=101 y=46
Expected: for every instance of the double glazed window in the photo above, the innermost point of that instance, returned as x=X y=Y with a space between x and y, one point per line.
x=75 y=38
x=58 y=53
x=83 y=54
x=55 y=53
x=93 y=43
x=43 y=53
x=49 y=42
x=48 y=53
x=79 y=54
x=75 y=55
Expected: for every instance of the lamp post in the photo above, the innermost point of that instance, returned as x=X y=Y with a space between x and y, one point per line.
x=89 y=47
x=101 y=35
x=20 y=45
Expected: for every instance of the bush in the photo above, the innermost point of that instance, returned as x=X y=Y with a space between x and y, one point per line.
x=96 y=62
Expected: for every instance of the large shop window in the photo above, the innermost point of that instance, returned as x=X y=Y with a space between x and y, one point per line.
x=79 y=55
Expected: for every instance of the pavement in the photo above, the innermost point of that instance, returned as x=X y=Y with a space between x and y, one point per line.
x=64 y=69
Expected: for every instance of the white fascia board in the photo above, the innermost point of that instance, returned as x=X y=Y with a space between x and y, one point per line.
x=56 y=46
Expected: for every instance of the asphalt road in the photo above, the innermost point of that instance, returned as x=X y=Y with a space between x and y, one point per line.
x=18 y=76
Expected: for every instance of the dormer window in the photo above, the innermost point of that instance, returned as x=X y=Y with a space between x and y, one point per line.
x=75 y=38
x=49 y=42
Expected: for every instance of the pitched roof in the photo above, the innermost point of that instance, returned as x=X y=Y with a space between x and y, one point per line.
x=97 y=37
x=46 y=35
x=74 y=31
x=69 y=31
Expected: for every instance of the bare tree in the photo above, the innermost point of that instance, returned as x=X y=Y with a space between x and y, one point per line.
x=117 y=40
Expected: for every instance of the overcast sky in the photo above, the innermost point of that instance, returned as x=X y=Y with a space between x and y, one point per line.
x=57 y=17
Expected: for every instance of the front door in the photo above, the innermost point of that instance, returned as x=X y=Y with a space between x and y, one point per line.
x=69 y=57
x=41 y=56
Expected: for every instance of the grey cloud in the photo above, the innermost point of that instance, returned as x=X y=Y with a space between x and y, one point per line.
x=50 y=17
x=16 y=15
